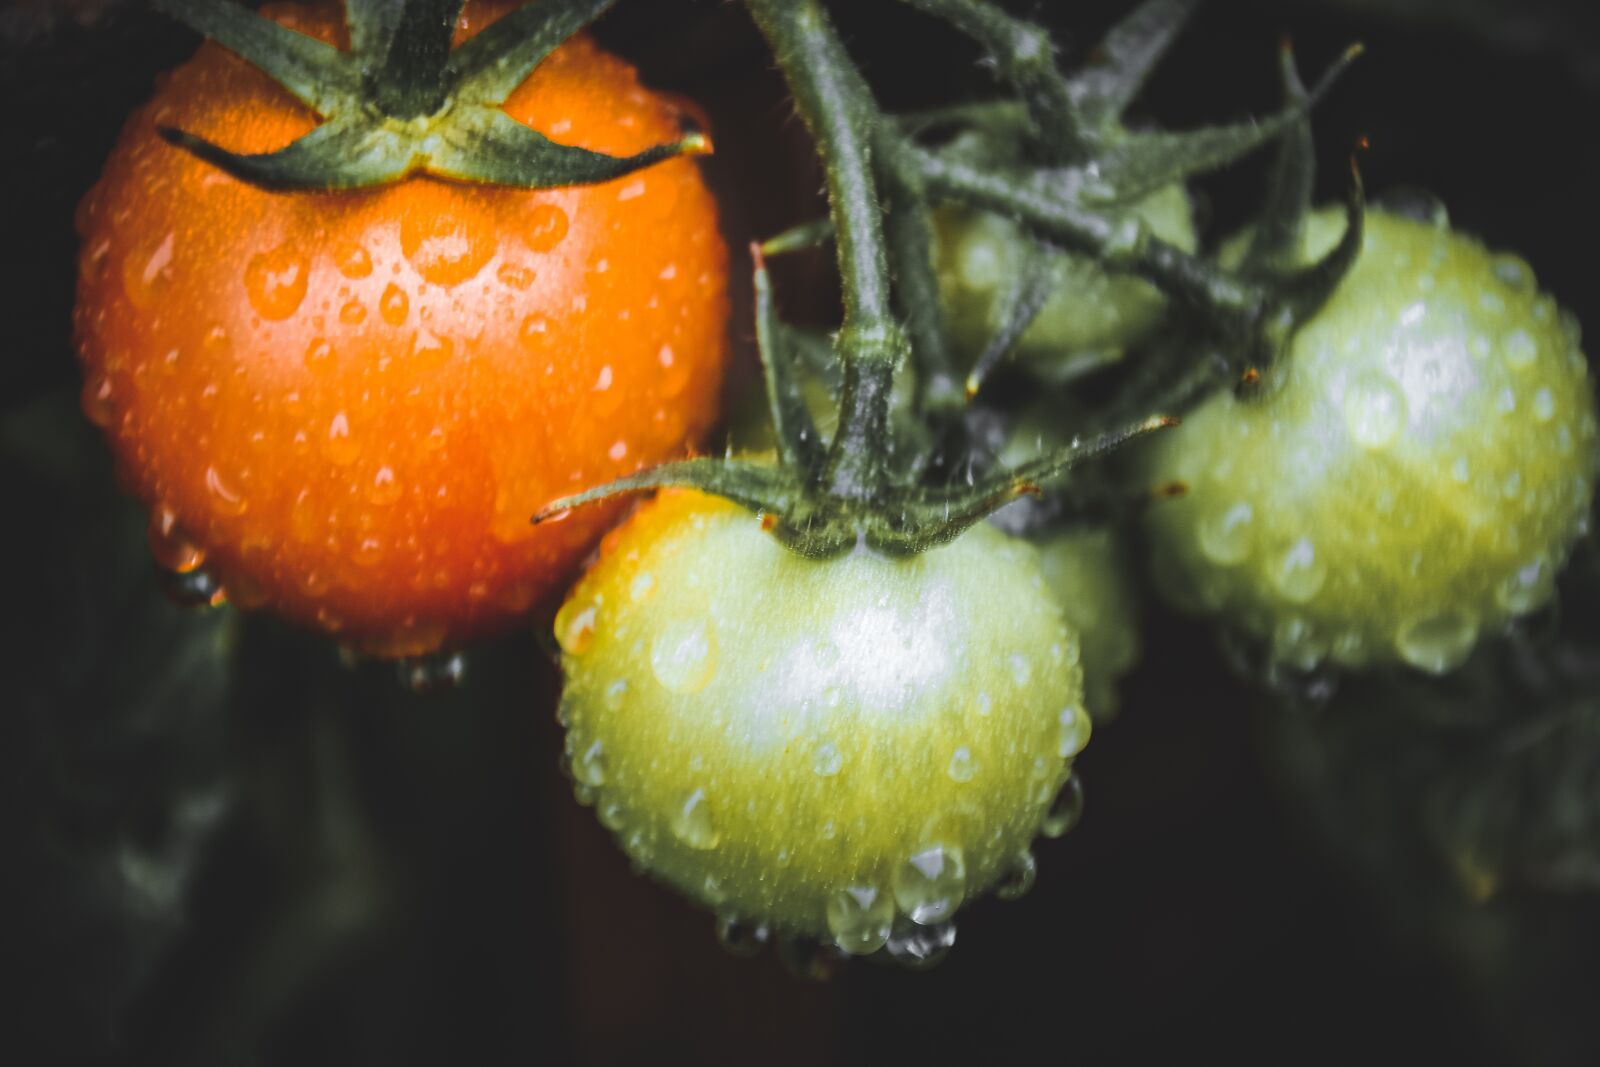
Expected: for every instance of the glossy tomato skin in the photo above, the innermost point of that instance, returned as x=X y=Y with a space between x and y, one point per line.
x=347 y=406
x=825 y=747
x=1413 y=474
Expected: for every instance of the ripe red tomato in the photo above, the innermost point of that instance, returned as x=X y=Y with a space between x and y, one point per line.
x=346 y=406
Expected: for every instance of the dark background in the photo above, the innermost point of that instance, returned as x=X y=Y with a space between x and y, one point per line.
x=222 y=845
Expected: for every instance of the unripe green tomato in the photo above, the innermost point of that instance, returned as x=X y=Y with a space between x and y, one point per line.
x=822 y=747
x=1412 y=474
x=1091 y=316
x=1089 y=574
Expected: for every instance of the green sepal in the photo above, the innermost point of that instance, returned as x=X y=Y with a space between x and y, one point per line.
x=1281 y=221
x=800 y=238
x=1126 y=57
x=1029 y=289
x=1303 y=293
x=316 y=74
x=1134 y=165
x=799 y=444
x=401 y=103
x=758 y=487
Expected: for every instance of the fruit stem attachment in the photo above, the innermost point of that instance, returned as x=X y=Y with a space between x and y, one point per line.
x=840 y=114
x=401 y=102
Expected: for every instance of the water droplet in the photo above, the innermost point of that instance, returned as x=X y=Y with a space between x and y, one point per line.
x=434 y=673
x=1018 y=877
x=1520 y=349
x=198 y=588
x=590 y=765
x=547 y=227
x=917 y=948
x=146 y=271
x=683 y=655
x=353 y=314
x=535 y=328
x=1514 y=272
x=1437 y=643
x=1411 y=202
x=826 y=760
x=276 y=282
x=1073 y=736
x=1374 y=410
x=385 y=488
x=170 y=545
x=96 y=400
x=860 y=918
x=1226 y=534
x=1530 y=586
x=741 y=937
x=444 y=247
x=394 y=305
x=1544 y=405
x=340 y=447
x=430 y=351
x=226 y=500
x=515 y=276
x=614 y=695
x=693 y=825
x=962 y=765
x=574 y=626
x=319 y=357
x=1065 y=810
x=931 y=884
x=352 y=260
x=1300 y=573
x=1021 y=669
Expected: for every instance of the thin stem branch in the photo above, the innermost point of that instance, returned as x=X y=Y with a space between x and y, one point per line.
x=842 y=117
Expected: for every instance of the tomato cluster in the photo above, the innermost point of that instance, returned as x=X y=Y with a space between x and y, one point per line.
x=815 y=691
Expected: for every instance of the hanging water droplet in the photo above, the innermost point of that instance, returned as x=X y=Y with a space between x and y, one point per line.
x=1437 y=643
x=434 y=673
x=574 y=626
x=693 y=825
x=1514 y=272
x=683 y=655
x=170 y=545
x=917 y=948
x=1018 y=877
x=589 y=766
x=1065 y=810
x=962 y=765
x=741 y=937
x=860 y=918
x=931 y=884
x=1225 y=535
x=1073 y=731
x=1374 y=410
x=198 y=588
x=1530 y=586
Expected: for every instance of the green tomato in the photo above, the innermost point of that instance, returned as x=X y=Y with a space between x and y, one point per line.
x=1088 y=572
x=1091 y=316
x=1412 y=474
x=827 y=748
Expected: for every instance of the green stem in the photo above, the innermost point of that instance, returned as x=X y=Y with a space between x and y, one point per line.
x=1025 y=58
x=842 y=118
x=1119 y=246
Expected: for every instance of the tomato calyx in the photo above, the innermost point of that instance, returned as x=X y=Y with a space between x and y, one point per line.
x=402 y=102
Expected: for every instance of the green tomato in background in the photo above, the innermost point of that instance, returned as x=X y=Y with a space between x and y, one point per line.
x=1412 y=473
x=1092 y=316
